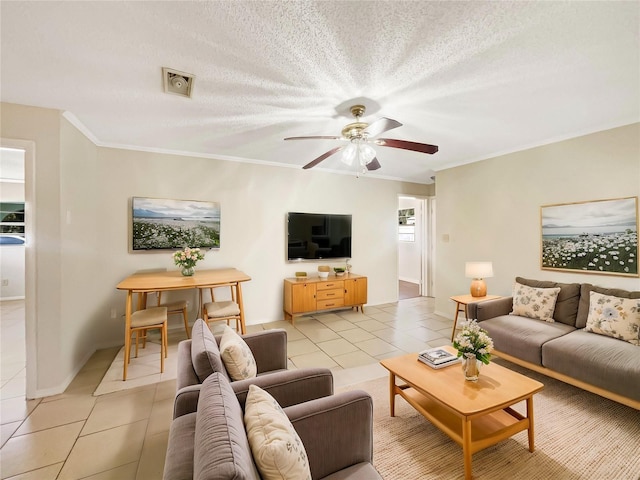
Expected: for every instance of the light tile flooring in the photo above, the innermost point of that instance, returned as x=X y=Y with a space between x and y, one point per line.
x=124 y=435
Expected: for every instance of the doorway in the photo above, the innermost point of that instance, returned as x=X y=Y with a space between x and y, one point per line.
x=17 y=158
x=416 y=222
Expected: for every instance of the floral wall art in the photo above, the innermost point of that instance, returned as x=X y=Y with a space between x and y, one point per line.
x=169 y=224
x=593 y=237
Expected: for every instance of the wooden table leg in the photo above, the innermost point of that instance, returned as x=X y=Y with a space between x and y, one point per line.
x=392 y=394
x=530 y=417
x=243 y=328
x=455 y=321
x=466 y=447
x=127 y=336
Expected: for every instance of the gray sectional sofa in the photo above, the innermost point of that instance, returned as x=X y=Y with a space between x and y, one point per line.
x=212 y=444
x=564 y=349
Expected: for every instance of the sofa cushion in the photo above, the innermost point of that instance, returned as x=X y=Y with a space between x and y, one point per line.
x=523 y=337
x=614 y=317
x=604 y=362
x=205 y=354
x=277 y=448
x=586 y=288
x=534 y=302
x=236 y=356
x=221 y=447
x=566 y=309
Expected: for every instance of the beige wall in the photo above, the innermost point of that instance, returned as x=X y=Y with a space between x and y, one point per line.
x=490 y=210
x=82 y=215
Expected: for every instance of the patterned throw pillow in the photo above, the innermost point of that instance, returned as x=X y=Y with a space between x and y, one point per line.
x=236 y=356
x=533 y=302
x=276 y=447
x=614 y=317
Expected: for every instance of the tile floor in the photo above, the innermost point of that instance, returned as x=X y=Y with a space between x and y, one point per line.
x=124 y=435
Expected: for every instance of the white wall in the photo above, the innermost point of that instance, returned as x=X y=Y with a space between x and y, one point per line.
x=410 y=253
x=490 y=210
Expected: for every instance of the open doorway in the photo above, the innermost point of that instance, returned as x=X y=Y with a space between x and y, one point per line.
x=12 y=266
x=416 y=221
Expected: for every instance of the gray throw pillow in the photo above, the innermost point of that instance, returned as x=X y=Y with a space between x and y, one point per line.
x=205 y=354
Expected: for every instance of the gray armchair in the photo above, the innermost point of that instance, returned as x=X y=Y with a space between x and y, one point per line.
x=199 y=357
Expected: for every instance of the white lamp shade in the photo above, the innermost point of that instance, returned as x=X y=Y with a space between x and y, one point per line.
x=478 y=269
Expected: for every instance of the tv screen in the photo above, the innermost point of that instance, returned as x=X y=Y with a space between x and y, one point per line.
x=318 y=236
x=164 y=224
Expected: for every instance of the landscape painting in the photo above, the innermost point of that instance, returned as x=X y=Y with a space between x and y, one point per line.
x=595 y=237
x=162 y=224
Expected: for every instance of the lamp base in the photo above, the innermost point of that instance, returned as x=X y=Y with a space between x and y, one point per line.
x=478 y=288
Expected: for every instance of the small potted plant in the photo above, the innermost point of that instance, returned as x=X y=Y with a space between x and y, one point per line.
x=187 y=259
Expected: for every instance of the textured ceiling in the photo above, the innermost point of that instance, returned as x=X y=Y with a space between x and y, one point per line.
x=475 y=78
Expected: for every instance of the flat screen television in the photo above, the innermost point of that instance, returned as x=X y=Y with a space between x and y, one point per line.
x=312 y=236
x=165 y=224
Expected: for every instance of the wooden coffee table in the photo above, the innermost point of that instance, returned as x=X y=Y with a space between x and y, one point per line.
x=475 y=415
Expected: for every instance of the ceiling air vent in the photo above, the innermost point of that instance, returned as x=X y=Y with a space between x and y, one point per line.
x=180 y=83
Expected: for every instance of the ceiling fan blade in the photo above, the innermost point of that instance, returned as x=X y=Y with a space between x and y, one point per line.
x=382 y=125
x=406 y=145
x=322 y=157
x=373 y=164
x=333 y=137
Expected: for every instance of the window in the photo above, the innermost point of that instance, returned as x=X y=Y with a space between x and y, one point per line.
x=12 y=223
x=407 y=225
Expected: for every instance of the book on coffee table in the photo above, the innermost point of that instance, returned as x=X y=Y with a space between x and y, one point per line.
x=437 y=358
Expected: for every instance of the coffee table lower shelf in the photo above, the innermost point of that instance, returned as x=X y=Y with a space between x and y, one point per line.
x=486 y=430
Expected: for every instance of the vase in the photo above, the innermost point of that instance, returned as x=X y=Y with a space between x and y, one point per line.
x=188 y=271
x=471 y=367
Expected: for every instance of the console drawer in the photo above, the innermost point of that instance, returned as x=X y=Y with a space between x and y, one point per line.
x=330 y=294
x=330 y=303
x=330 y=285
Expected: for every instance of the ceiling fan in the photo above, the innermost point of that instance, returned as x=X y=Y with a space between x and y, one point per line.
x=361 y=136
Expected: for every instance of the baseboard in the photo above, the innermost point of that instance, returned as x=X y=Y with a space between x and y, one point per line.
x=6 y=299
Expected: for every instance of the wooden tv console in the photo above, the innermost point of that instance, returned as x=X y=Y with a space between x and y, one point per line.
x=315 y=294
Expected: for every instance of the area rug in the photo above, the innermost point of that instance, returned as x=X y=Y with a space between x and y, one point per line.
x=578 y=435
x=144 y=370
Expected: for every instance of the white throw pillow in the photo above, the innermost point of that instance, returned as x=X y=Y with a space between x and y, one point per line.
x=614 y=317
x=532 y=302
x=236 y=356
x=276 y=447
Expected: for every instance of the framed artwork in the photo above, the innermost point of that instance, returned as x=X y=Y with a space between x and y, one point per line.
x=163 y=224
x=598 y=236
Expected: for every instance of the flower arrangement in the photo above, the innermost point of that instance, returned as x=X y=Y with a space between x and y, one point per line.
x=188 y=257
x=473 y=340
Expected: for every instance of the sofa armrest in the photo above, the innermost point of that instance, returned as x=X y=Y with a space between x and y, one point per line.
x=186 y=400
x=186 y=375
x=289 y=387
x=490 y=309
x=336 y=431
x=269 y=349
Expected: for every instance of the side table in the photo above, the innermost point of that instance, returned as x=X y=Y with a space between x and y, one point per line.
x=463 y=301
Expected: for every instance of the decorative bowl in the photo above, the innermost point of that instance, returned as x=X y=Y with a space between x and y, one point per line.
x=323 y=275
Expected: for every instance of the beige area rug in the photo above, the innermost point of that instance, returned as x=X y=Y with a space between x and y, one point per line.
x=578 y=435
x=144 y=370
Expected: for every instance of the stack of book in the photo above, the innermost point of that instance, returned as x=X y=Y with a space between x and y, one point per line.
x=438 y=358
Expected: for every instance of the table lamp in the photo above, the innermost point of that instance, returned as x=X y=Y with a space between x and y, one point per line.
x=478 y=271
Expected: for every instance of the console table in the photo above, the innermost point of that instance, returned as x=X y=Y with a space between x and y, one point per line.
x=306 y=295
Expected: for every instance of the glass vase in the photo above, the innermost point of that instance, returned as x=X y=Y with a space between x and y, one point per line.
x=188 y=271
x=471 y=367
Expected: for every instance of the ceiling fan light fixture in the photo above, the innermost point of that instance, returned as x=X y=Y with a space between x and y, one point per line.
x=359 y=152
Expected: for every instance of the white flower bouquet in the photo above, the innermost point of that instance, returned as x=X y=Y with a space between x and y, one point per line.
x=474 y=340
